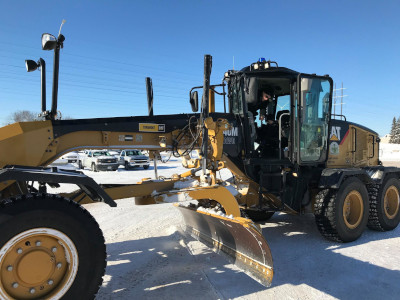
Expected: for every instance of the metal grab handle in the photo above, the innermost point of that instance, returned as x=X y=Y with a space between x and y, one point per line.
x=280 y=133
x=355 y=140
x=373 y=146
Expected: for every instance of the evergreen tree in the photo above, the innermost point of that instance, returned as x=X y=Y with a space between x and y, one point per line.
x=397 y=132
x=392 y=131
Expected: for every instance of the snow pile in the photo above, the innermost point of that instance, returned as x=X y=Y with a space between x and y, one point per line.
x=172 y=198
x=186 y=184
x=214 y=211
x=389 y=152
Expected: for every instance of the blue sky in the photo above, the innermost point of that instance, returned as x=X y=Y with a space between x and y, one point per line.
x=111 y=46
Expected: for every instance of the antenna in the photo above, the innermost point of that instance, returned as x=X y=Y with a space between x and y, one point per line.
x=233 y=63
x=62 y=23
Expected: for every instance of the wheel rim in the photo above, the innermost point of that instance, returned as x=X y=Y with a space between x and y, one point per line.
x=391 y=202
x=353 y=208
x=37 y=263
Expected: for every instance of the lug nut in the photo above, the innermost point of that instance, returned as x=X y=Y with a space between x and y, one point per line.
x=15 y=285
x=9 y=268
x=50 y=282
x=19 y=250
x=59 y=265
x=38 y=243
x=32 y=291
x=54 y=249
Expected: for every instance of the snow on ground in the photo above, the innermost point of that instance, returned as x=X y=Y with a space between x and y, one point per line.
x=389 y=152
x=148 y=258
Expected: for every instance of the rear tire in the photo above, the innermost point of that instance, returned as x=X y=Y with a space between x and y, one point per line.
x=45 y=229
x=342 y=215
x=384 y=208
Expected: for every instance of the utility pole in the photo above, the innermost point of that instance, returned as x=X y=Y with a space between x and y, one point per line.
x=341 y=101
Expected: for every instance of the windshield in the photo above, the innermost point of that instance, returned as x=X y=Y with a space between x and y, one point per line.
x=101 y=153
x=133 y=152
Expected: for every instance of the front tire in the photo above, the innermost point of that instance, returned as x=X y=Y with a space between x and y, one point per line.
x=127 y=165
x=94 y=168
x=50 y=247
x=146 y=167
x=341 y=215
x=384 y=210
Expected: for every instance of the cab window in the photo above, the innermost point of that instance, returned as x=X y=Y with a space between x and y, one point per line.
x=314 y=112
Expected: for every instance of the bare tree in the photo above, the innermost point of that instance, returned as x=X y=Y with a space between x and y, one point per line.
x=22 y=116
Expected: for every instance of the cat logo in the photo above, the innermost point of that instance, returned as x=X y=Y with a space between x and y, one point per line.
x=335 y=133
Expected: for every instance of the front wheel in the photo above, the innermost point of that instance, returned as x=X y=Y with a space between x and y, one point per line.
x=341 y=215
x=94 y=168
x=146 y=167
x=127 y=165
x=50 y=247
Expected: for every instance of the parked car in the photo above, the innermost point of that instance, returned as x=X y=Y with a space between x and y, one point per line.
x=71 y=157
x=117 y=154
x=81 y=156
x=98 y=160
x=135 y=158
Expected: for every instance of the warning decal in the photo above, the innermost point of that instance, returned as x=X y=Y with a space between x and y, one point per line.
x=147 y=127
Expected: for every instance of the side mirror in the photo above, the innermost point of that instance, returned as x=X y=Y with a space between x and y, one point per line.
x=49 y=41
x=194 y=101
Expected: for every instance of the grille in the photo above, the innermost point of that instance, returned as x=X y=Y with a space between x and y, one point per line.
x=108 y=160
x=139 y=161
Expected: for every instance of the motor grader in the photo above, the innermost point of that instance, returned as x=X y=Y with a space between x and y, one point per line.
x=306 y=161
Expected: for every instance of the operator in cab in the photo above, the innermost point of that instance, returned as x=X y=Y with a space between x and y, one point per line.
x=267 y=133
x=267 y=107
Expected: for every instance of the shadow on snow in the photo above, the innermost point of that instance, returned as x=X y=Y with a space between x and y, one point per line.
x=160 y=267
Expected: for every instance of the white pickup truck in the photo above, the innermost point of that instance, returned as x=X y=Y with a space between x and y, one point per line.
x=134 y=158
x=98 y=160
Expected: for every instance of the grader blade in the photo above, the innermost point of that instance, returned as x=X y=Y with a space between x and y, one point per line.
x=238 y=238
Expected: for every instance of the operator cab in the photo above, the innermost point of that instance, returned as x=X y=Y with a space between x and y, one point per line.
x=300 y=105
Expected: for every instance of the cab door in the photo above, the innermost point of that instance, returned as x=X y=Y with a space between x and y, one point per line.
x=313 y=117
